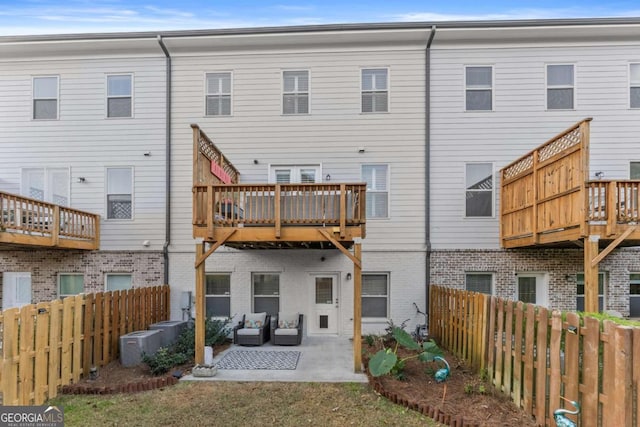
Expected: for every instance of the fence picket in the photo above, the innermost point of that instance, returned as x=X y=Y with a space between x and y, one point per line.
x=590 y=372
x=623 y=386
x=555 y=375
x=517 y=354
x=27 y=356
x=77 y=338
x=499 y=369
x=571 y=377
x=541 y=365
x=41 y=351
x=10 y=354
x=529 y=344
x=508 y=348
x=491 y=341
x=55 y=334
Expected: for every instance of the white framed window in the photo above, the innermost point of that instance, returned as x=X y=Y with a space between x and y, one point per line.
x=478 y=88
x=119 y=95
x=45 y=97
x=375 y=295
x=375 y=90
x=70 y=284
x=218 y=295
x=479 y=190
x=266 y=292
x=117 y=282
x=634 y=85
x=634 y=294
x=580 y=290
x=218 y=94
x=295 y=174
x=560 y=87
x=377 y=179
x=634 y=170
x=119 y=193
x=295 y=92
x=479 y=282
x=47 y=184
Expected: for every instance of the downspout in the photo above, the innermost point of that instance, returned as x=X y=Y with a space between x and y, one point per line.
x=167 y=191
x=427 y=162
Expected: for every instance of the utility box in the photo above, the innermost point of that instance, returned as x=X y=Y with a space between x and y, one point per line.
x=132 y=346
x=171 y=329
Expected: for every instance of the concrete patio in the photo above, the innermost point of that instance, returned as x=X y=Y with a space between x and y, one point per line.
x=322 y=359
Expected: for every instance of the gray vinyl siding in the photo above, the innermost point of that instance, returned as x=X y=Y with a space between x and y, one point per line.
x=520 y=123
x=84 y=140
x=330 y=134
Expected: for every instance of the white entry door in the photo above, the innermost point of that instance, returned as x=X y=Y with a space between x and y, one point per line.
x=532 y=288
x=323 y=318
x=16 y=290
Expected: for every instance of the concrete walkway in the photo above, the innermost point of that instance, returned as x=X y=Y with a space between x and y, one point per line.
x=322 y=359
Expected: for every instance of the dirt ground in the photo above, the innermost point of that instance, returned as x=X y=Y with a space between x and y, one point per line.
x=463 y=392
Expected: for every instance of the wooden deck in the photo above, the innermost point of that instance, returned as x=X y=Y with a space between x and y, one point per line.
x=548 y=199
x=26 y=222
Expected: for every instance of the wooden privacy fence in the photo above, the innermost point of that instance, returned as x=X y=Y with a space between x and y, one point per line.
x=534 y=355
x=51 y=344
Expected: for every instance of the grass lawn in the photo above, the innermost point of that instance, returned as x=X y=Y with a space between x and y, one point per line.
x=241 y=404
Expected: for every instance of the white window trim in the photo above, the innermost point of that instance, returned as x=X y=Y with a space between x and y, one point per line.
x=206 y=295
x=106 y=193
x=605 y=280
x=388 y=296
x=253 y=293
x=206 y=93
x=46 y=181
x=388 y=89
x=107 y=97
x=630 y=162
x=493 y=192
x=65 y=273
x=637 y=85
x=547 y=87
x=484 y=273
x=282 y=93
x=294 y=168
x=388 y=165
x=491 y=88
x=33 y=98
x=106 y=275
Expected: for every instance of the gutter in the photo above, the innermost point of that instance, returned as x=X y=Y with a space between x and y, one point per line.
x=167 y=215
x=427 y=163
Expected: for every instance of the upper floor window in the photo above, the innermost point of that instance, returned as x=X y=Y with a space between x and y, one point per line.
x=118 y=282
x=218 y=96
x=295 y=92
x=377 y=179
x=560 y=87
x=70 y=284
x=375 y=90
x=479 y=88
x=295 y=174
x=478 y=282
x=47 y=184
x=634 y=170
x=375 y=295
x=119 y=193
x=479 y=190
x=634 y=85
x=218 y=295
x=120 y=95
x=45 y=98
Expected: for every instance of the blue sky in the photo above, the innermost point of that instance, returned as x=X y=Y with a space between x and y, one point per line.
x=75 y=16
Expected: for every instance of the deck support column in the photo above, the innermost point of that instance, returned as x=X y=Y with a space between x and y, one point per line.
x=591 y=274
x=200 y=306
x=357 y=308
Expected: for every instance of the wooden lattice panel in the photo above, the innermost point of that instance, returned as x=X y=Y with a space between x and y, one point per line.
x=212 y=153
x=556 y=146
x=524 y=165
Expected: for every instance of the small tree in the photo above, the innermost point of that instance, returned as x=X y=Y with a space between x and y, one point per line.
x=387 y=361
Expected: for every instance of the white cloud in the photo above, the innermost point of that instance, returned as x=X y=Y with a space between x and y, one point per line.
x=516 y=14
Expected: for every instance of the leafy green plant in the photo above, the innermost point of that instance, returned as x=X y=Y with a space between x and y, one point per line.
x=468 y=388
x=216 y=331
x=163 y=360
x=386 y=361
x=370 y=340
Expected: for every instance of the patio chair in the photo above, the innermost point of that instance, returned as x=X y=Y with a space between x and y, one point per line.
x=253 y=329
x=286 y=329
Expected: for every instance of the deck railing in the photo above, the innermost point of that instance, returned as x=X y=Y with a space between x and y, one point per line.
x=279 y=204
x=37 y=219
x=616 y=200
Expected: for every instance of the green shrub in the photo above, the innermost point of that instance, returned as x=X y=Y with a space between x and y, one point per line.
x=216 y=332
x=163 y=360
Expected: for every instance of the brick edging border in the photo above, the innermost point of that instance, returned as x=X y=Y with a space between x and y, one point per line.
x=434 y=413
x=131 y=387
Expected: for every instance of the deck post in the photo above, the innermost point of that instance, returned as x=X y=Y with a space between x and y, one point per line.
x=357 y=309
x=591 y=274
x=200 y=306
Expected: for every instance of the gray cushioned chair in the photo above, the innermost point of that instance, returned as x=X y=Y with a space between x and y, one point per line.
x=249 y=332
x=286 y=335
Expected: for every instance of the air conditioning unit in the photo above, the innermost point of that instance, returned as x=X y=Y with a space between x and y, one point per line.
x=132 y=346
x=171 y=329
